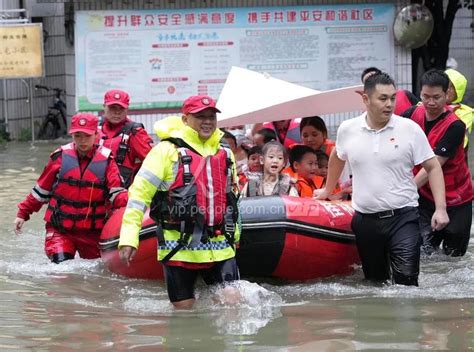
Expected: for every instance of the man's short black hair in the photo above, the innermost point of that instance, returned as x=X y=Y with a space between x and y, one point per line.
x=435 y=78
x=268 y=134
x=372 y=69
x=379 y=78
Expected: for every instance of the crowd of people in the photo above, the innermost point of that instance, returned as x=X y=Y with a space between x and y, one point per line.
x=402 y=163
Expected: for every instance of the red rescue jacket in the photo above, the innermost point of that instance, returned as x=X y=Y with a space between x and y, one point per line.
x=119 y=143
x=457 y=177
x=402 y=102
x=292 y=134
x=78 y=201
x=200 y=196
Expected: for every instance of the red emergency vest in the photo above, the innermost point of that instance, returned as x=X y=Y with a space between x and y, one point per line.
x=119 y=144
x=457 y=177
x=77 y=202
x=292 y=134
x=200 y=201
x=402 y=103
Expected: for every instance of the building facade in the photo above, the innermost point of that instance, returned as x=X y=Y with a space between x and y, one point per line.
x=58 y=29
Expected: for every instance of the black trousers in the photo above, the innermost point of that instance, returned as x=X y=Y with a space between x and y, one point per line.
x=389 y=245
x=180 y=281
x=454 y=237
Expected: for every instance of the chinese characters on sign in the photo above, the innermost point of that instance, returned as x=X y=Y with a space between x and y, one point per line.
x=163 y=56
x=228 y=18
x=21 y=51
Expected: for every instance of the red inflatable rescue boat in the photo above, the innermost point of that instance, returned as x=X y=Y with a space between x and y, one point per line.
x=282 y=237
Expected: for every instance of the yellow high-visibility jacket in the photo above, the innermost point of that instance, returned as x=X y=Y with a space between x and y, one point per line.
x=157 y=174
x=463 y=112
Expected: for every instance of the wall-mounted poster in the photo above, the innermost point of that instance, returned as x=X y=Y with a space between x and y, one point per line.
x=163 y=56
x=21 y=51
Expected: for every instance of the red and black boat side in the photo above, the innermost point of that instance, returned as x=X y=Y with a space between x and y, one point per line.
x=296 y=238
x=282 y=237
x=145 y=264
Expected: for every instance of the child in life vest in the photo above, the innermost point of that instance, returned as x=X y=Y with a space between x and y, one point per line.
x=304 y=165
x=342 y=190
x=271 y=181
x=254 y=166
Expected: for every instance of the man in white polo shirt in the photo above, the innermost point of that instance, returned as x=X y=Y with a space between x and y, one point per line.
x=382 y=149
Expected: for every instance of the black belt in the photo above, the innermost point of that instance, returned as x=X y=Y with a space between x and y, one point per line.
x=386 y=213
x=168 y=226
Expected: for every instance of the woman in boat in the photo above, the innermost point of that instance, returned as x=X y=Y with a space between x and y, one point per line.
x=314 y=134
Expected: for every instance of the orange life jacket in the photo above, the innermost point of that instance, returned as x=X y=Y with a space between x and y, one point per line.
x=328 y=146
x=457 y=177
x=306 y=187
x=319 y=181
x=78 y=199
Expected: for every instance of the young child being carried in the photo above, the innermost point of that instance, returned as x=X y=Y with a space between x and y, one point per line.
x=304 y=169
x=271 y=181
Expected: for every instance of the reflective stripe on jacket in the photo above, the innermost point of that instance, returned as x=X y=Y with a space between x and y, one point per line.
x=158 y=173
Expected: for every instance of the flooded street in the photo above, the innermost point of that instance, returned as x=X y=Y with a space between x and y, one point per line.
x=79 y=305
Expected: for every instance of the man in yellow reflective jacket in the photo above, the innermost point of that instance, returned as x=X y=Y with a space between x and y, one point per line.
x=194 y=205
x=456 y=90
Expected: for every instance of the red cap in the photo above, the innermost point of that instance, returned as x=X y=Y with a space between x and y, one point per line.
x=117 y=96
x=84 y=122
x=198 y=103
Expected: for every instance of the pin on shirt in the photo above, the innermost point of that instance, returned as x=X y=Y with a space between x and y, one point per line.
x=393 y=141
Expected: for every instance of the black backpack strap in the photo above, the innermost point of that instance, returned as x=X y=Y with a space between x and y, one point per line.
x=124 y=142
x=186 y=160
x=181 y=144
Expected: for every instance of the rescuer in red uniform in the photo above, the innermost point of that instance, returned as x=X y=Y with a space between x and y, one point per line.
x=81 y=185
x=128 y=140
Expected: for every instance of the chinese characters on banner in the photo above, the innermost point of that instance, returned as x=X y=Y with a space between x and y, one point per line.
x=21 y=51
x=163 y=56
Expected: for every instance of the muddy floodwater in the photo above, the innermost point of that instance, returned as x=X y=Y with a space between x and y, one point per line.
x=79 y=305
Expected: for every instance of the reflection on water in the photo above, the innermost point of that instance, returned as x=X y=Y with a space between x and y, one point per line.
x=79 y=305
